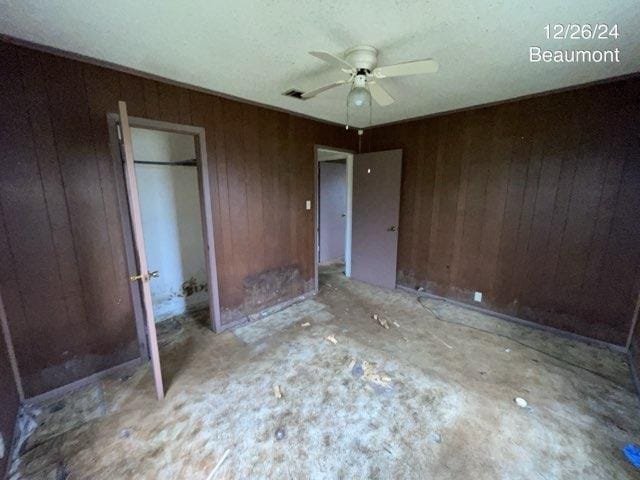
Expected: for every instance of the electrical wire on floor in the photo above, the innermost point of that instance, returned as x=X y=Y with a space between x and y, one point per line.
x=437 y=316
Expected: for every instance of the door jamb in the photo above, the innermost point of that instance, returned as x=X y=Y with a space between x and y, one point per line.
x=316 y=187
x=205 y=208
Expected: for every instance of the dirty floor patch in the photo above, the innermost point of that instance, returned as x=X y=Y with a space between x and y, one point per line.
x=432 y=396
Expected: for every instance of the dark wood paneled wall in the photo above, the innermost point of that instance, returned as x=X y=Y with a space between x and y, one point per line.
x=536 y=203
x=635 y=355
x=9 y=403
x=63 y=274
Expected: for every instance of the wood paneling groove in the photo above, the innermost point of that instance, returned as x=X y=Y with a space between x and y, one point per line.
x=536 y=203
x=65 y=280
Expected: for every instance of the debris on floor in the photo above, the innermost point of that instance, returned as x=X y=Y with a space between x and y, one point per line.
x=366 y=371
x=375 y=404
x=213 y=473
x=382 y=321
x=371 y=375
x=632 y=452
x=277 y=392
x=356 y=368
x=521 y=402
x=305 y=324
x=331 y=339
x=441 y=341
x=396 y=324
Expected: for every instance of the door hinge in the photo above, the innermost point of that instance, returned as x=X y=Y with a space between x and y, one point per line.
x=119 y=131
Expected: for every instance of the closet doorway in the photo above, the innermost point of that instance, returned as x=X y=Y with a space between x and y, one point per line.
x=166 y=210
x=168 y=192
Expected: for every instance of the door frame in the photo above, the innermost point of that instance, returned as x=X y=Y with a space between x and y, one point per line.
x=316 y=225
x=206 y=211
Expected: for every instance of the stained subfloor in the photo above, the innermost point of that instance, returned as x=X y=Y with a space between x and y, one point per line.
x=432 y=396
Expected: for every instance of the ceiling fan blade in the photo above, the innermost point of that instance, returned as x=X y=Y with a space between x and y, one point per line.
x=416 y=67
x=379 y=94
x=315 y=92
x=334 y=60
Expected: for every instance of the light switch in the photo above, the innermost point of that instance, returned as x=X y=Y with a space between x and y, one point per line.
x=308 y=204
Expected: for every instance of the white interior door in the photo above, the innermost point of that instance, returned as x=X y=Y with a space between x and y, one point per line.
x=142 y=275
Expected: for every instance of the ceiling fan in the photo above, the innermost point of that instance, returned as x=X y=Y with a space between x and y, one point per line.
x=361 y=65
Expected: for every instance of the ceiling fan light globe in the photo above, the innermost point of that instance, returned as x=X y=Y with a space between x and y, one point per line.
x=359 y=97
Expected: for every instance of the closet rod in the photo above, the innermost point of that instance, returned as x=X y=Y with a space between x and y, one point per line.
x=184 y=163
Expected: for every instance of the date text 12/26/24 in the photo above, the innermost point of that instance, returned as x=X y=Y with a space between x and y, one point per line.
x=574 y=31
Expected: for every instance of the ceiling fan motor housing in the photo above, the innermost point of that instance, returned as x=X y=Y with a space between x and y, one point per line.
x=362 y=57
x=361 y=64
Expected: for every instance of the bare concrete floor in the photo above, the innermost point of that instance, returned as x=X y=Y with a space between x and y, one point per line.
x=425 y=398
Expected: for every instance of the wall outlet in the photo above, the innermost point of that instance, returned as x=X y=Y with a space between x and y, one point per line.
x=477 y=297
x=308 y=204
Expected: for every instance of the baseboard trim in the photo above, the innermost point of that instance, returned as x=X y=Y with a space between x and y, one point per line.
x=56 y=392
x=520 y=321
x=265 y=312
x=43 y=397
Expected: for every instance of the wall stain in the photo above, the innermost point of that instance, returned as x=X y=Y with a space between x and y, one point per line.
x=191 y=286
x=266 y=289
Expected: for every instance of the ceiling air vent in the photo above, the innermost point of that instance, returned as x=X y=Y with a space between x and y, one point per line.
x=292 y=92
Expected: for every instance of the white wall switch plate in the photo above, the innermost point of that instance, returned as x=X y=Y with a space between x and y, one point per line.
x=308 y=204
x=477 y=297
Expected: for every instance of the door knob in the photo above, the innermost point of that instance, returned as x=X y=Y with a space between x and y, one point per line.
x=392 y=228
x=154 y=274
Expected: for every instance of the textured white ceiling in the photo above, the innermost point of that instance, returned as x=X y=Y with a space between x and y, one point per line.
x=258 y=49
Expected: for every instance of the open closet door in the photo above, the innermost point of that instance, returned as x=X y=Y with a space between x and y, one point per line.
x=142 y=275
x=376 y=213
